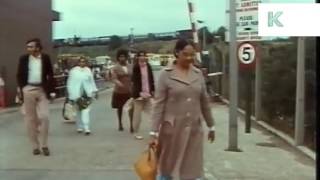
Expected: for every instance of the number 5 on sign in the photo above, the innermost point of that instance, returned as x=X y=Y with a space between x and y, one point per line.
x=246 y=53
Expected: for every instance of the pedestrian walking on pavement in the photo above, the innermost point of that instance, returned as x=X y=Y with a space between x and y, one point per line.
x=82 y=89
x=180 y=103
x=121 y=77
x=36 y=83
x=142 y=89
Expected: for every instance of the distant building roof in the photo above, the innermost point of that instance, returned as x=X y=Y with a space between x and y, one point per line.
x=185 y=30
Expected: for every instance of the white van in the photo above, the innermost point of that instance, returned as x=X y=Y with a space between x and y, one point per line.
x=103 y=60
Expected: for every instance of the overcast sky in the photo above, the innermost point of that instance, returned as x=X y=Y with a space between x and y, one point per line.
x=92 y=18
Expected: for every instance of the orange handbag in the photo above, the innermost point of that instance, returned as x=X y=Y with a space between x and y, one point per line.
x=146 y=165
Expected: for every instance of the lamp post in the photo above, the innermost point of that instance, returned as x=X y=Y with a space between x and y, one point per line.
x=194 y=28
x=233 y=110
x=300 y=94
x=203 y=35
x=131 y=45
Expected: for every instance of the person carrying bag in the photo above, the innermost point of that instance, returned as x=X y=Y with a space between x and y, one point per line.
x=84 y=101
x=81 y=90
x=146 y=165
x=69 y=111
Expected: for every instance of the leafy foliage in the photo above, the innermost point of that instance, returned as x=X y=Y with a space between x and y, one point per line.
x=115 y=42
x=279 y=81
x=221 y=32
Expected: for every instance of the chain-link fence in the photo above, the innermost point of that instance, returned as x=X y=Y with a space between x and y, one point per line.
x=278 y=85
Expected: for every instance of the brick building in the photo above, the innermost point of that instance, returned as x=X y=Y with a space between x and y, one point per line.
x=20 y=21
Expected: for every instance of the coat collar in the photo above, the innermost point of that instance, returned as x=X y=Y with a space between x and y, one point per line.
x=193 y=74
x=38 y=57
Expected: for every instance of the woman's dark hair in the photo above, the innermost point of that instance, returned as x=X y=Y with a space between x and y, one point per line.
x=122 y=52
x=181 y=44
x=37 y=41
x=135 y=61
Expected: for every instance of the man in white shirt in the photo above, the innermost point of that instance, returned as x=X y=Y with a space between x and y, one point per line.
x=81 y=83
x=36 y=83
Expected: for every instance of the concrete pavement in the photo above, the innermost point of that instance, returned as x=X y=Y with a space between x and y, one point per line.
x=106 y=153
x=109 y=154
x=264 y=156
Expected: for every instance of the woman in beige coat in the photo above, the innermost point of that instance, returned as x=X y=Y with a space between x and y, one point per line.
x=180 y=103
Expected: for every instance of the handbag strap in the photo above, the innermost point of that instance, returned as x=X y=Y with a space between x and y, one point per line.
x=153 y=149
x=64 y=108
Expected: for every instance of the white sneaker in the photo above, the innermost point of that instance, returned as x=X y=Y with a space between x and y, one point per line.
x=87 y=132
x=79 y=130
x=138 y=137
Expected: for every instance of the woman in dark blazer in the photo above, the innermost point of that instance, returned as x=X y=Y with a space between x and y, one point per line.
x=142 y=89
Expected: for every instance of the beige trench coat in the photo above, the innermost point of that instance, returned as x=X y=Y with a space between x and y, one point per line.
x=179 y=108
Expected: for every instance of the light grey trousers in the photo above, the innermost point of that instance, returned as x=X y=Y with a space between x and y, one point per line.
x=140 y=105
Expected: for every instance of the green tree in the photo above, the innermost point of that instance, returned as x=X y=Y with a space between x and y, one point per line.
x=75 y=40
x=209 y=37
x=115 y=42
x=220 y=32
x=279 y=81
x=151 y=36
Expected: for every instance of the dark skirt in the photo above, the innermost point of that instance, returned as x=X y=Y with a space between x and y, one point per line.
x=118 y=100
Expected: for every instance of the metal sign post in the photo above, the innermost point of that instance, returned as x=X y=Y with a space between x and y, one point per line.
x=247 y=56
x=233 y=114
x=248 y=101
x=131 y=55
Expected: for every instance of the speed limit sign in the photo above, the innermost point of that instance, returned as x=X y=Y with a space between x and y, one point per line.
x=246 y=53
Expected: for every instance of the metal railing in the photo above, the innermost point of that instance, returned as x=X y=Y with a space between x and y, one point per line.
x=214 y=85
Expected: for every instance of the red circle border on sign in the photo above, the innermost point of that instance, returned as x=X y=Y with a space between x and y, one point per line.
x=252 y=65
